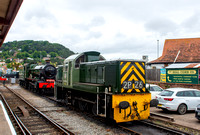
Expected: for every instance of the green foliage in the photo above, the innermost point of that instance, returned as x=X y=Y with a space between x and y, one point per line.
x=9 y=65
x=34 y=49
x=22 y=55
x=53 y=54
x=36 y=54
x=8 y=61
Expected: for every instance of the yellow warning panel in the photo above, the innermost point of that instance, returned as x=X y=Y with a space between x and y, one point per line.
x=139 y=108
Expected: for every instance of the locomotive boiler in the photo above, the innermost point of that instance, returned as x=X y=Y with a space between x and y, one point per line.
x=111 y=89
x=39 y=78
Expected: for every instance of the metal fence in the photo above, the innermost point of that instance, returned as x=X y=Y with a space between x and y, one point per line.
x=153 y=74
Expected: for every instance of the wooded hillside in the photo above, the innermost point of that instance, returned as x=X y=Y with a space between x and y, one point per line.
x=33 y=49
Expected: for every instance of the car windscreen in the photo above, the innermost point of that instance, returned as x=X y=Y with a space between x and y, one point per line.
x=155 y=88
x=166 y=93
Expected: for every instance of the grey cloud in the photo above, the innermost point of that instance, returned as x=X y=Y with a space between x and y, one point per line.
x=161 y=25
x=95 y=22
x=120 y=35
x=39 y=13
x=94 y=35
x=191 y=24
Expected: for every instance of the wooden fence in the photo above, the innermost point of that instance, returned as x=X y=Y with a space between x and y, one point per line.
x=153 y=74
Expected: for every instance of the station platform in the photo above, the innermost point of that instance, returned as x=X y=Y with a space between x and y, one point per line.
x=6 y=127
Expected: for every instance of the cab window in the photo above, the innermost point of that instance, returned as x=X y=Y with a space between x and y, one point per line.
x=78 y=61
x=66 y=67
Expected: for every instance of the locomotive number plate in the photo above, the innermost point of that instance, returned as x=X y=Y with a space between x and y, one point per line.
x=127 y=85
x=138 y=84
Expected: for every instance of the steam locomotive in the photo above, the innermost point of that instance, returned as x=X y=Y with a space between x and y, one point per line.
x=39 y=78
x=112 y=89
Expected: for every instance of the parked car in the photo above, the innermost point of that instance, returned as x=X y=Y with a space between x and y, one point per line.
x=197 y=112
x=178 y=99
x=154 y=90
x=11 y=75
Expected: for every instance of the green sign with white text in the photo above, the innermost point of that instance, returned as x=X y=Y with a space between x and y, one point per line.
x=185 y=75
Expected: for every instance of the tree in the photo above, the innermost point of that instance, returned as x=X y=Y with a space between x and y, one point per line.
x=25 y=48
x=36 y=54
x=19 y=55
x=53 y=54
x=15 y=65
x=9 y=65
x=44 y=53
x=8 y=61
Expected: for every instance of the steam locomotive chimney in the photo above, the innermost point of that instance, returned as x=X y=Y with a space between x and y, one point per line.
x=47 y=61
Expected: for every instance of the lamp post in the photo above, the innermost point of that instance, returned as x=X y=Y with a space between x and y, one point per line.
x=157 y=48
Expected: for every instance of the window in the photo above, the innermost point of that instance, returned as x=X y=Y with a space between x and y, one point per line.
x=197 y=93
x=166 y=93
x=189 y=94
x=79 y=60
x=66 y=67
x=93 y=58
x=152 y=89
x=180 y=94
x=156 y=88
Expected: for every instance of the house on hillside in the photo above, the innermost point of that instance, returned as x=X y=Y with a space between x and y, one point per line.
x=2 y=63
x=185 y=50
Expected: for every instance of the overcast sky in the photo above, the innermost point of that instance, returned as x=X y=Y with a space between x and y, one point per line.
x=116 y=28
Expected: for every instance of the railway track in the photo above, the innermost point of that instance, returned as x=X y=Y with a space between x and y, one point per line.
x=28 y=119
x=145 y=127
x=136 y=128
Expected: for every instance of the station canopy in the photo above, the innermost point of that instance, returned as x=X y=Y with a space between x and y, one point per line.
x=8 y=12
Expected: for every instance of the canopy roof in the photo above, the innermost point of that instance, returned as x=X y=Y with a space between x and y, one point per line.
x=8 y=12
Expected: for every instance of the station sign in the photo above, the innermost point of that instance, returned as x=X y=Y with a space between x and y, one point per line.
x=185 y=75
x=163 y=75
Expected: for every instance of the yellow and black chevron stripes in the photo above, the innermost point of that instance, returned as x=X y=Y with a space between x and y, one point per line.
x=132 y=77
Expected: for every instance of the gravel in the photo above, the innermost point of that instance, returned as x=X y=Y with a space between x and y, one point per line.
x=77 y=122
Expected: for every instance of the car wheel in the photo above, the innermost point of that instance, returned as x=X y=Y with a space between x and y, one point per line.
x=182 y=109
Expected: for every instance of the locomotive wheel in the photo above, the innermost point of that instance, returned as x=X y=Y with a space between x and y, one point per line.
x=94 y=109
x=42 y=91
x=66 y=99
x=82 y=105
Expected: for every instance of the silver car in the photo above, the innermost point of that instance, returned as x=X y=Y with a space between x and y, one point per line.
x=178 y=99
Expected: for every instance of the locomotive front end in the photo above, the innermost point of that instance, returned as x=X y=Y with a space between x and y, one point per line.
x=132 y=101
x=47 y=76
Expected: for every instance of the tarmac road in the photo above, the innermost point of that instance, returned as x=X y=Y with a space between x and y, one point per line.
x=187 y=119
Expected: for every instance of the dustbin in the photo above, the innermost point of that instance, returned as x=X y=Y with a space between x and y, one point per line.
x=13 y=80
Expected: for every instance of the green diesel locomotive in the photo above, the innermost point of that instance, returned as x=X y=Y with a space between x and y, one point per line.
x=112 y=89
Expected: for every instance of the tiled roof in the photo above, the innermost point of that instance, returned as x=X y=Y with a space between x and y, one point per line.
x=186 y=50
x=184 y=65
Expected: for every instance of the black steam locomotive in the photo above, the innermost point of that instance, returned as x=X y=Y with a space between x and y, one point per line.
x=39 y=78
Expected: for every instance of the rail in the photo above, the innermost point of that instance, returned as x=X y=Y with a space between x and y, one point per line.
x=54 y=123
